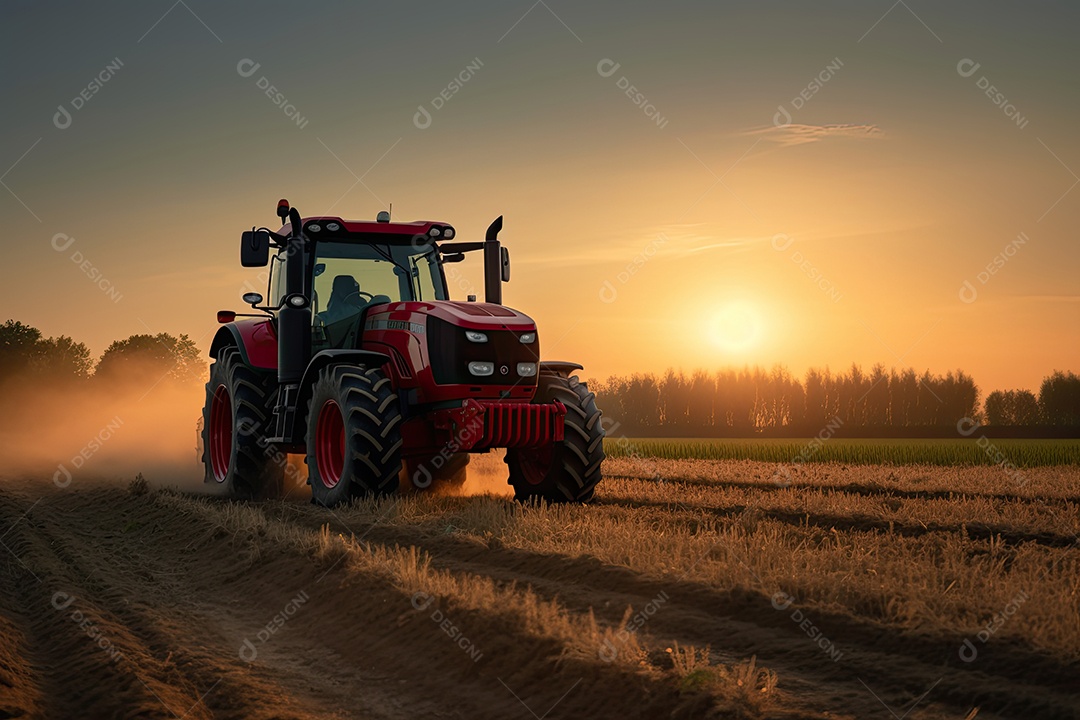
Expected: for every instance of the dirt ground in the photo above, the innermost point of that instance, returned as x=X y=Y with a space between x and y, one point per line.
x=120 y=602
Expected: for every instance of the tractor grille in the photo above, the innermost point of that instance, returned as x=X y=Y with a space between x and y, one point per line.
x=480 y=425
x=451 y=352
x=522 y=424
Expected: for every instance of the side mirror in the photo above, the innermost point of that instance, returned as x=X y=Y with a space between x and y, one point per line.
x=504 y=261
x=255 y=248
x=252 y=299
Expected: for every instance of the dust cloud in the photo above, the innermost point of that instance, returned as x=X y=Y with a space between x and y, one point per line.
x=487 y=475
x=110 y=430
x=76 y=432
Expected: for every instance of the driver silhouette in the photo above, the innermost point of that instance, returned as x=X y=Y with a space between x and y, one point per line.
x=345 y=300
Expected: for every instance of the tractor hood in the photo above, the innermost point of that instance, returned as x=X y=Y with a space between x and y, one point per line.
x=453 y=350
x=471 y=315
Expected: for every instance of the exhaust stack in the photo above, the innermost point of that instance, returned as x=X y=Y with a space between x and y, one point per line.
x=493 y=262
x=294 y=318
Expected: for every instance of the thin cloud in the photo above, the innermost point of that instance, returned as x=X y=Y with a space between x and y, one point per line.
x=714 y=246
x=648 y=242
x=797 y=134
x=737 y=244
x=1049 y=298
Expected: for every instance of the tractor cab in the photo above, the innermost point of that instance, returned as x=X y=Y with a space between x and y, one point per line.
x=349 y=277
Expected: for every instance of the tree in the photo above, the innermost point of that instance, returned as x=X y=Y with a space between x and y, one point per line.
x=674 y=400
x=63 y=357
x=815 y=399
x=1059 y=398
x=23 y=351
x=903 y=395
x=778 y=393
x=1026 y=408
x=702 y=399
x=927 y=401
x=995 y=407
x=20 y=348
x=723 y=403
x=743 y=399
x=877 y=397
x=1012 y=407
x=960 y=397
x=642 y=404
x=798 y=404
x=857 y=386
x=151 y=357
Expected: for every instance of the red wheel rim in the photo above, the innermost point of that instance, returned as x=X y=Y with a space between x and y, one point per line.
x=535 y=463
x=330 y=444
x=221 y=433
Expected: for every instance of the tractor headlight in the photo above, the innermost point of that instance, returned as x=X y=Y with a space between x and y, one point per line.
x=314 y=227
x=476 y=337
x=448 y=233
x=481 y=368
x=297 y=301
x=526 y=338
x=526 y=369
x=434 y=232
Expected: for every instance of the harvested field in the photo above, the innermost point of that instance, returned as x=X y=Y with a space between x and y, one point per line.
x=691 y=588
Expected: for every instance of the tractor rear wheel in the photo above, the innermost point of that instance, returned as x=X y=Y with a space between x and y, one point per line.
x=353 y=435
x=235 y=419
x=568 y=470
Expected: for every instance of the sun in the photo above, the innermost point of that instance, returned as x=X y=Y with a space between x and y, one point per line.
x=736 y=327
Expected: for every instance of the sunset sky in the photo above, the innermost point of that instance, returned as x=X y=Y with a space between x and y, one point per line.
x=798 y=184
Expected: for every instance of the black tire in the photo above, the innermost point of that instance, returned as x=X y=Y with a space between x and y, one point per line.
x=569 y=470
x=367 y=458
x=237 y=460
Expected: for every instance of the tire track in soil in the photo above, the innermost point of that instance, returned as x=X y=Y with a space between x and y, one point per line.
x=844 y=523
x=180 y=637
x=177 y=596
x=861 y=489
x=739 y=623
x=161 y=669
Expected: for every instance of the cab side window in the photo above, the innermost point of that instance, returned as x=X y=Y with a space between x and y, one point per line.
x=277 y=279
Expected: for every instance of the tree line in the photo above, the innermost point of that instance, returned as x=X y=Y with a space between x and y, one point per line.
x=755 y=400
x=726 y=402
x=25 y=353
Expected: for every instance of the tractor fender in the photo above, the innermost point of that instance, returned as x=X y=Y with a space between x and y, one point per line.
x=559 y=367
x=325 y=358
x=254 y=338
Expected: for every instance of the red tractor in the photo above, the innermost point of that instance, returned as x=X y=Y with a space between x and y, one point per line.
x=359 y=360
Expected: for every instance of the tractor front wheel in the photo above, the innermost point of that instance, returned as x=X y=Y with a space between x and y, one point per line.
x=569 y=470
x=236 y=419
x=353 y=435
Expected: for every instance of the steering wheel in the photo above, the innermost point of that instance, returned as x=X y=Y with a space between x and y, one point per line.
x=356 y=298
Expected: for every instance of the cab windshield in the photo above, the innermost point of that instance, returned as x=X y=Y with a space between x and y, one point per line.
x=348 y=277
x=394 y=272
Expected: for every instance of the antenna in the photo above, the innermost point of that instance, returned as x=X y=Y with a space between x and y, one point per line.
x=391 y=210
